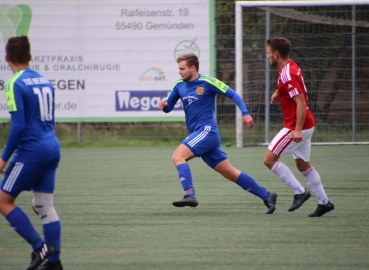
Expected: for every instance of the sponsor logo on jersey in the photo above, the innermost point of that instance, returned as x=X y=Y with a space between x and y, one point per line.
x=190 y=99
x=200 y=90
x=141 y=100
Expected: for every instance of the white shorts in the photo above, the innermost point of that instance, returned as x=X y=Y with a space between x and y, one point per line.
x=282 y=144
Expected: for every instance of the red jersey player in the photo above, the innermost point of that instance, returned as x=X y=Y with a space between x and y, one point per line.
x=295 y=137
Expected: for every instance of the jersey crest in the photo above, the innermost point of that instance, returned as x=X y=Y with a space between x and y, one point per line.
x=200 y=90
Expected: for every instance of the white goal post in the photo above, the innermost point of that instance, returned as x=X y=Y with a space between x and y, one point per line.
x=239 y=46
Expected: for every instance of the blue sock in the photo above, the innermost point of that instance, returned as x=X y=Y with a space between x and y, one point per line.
x=52 y=233
x=23 y=226
x=249 y=184
x=185 y=177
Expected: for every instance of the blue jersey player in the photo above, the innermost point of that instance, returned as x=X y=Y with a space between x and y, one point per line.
x=30 y=98
x=197 y=92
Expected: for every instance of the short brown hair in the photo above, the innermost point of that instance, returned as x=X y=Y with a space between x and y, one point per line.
x=191 y=60
x=280 y=44
x=18 y=50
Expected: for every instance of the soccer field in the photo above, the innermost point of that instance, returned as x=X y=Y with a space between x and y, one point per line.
x=115 y=206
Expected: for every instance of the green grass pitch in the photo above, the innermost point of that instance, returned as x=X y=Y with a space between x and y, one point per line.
x=115 y=206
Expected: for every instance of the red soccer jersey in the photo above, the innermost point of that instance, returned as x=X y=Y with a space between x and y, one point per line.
x=290 y=84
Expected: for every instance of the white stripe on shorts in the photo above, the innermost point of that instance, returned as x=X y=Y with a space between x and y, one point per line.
x=282 y=142
x=13 y=176
x=199 y=137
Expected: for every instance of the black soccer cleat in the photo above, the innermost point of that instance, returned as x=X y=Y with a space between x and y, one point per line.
x=186 y=201
x=322 y=209
x=51 y=266
x=271 y=202
x=298 y=200
x=39 y=255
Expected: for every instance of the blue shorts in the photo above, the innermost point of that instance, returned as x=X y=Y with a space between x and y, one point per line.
x=26 y=174
x=205 y=143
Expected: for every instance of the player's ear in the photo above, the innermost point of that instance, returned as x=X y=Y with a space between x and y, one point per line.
x=7 y=58
x=29 y=58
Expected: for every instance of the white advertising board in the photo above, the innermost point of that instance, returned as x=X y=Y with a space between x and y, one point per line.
x=108 y=60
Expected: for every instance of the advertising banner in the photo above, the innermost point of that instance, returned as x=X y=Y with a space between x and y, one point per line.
x=108 y=60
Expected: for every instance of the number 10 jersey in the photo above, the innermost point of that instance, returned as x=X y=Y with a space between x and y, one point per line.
x=30 y=99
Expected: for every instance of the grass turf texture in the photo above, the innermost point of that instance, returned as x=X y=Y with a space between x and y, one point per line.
x=116 y=209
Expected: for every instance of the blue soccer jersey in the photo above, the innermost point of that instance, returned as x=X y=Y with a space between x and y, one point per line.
x=30 y=98
x=198 y=98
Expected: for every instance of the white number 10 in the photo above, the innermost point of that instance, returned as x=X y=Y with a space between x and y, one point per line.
x=45 y=99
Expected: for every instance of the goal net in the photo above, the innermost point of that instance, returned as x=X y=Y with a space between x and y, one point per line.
x=330 y=42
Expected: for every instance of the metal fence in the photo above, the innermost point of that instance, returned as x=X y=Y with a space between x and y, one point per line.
x=329 y=43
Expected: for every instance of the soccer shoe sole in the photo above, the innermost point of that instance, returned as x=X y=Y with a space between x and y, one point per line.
x=183 y=203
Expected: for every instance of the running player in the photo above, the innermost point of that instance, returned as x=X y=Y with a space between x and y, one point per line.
x=295 y=137
x=30 y=98
x=197 y=93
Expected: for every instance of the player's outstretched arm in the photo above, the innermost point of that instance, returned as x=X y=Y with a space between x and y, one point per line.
x=238 y=101
x=246 y=117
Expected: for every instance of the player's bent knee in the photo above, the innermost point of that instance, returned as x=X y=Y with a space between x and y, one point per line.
x=44 y=204
x=177 y=159
x=267 y=163
x=174 y=159
x=270 y=159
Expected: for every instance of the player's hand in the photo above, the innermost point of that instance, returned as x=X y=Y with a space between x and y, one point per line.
x=297 y=136
x=248 y=122
x=162 y=104
x=275 y=97
x=2 y=166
